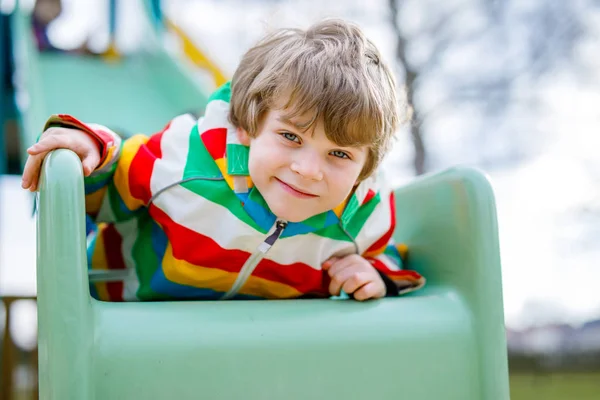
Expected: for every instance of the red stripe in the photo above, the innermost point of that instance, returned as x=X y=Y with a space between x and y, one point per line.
x=104 y=138
x=142 y=165
x=114 y=258
x=385 y=239
x=201 y=250
x=215 y=141
x=369 y=196
x=154 y=142
x=403 y=274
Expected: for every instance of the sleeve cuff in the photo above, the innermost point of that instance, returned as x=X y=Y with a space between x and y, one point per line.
x=391 y=290
x=105 y=139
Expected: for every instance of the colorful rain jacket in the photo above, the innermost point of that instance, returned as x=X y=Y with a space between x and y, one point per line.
x=178 y=218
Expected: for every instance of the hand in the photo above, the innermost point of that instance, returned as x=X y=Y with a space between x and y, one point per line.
x=83 y=144
x=355 y=275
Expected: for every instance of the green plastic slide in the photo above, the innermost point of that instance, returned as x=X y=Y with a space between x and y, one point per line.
x=444 y=342
x=134 y=94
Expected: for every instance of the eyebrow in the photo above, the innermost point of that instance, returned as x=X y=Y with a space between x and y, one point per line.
x=288 y=122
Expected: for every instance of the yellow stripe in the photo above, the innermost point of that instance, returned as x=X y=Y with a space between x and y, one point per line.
x=185 y=273
x=93 y=201
x=99 y=262
x=403 y=250
x=121 y=179
x=222 y=164
x=340 y=208
x=109 y=156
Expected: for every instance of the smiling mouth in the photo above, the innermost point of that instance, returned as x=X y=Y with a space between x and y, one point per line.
x=294 y=191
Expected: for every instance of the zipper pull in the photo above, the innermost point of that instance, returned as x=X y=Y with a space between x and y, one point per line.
x=272 y=238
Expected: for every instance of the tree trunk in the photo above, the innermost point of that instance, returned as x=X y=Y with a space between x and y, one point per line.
x=419 y=161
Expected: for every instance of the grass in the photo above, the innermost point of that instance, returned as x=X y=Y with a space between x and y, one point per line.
x=555 y=386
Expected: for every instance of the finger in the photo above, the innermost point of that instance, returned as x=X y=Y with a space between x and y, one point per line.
x=49 y=143
x=372 y=290
x=356 y=281
x=90 y=162
x=31 y=171
x=338 y=279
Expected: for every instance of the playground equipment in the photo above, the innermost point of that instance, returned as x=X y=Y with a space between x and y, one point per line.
x=444 y=342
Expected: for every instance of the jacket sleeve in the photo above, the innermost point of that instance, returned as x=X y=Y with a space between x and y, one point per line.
x=119 y=188
x=384 y=254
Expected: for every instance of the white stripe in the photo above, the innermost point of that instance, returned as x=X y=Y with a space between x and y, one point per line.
x=129 y=231
x=174 y=146
x=363 y=188
x=232 y=136
x=215 y=116
x=215 y=221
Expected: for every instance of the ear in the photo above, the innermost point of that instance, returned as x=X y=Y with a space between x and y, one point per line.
x=243 y=136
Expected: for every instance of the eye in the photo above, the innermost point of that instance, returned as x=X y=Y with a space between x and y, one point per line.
x=291 y=137
x=339 y=154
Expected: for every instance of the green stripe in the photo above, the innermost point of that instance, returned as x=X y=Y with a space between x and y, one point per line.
x=362 y=215
x=146 y=260
x=219 y=192
x=118 y=207
x=104 y=176
x=334 y=232
x=199 y=161
x=201 y=164
x=237 y=159
x=349 y=210
x=391 y=252
x=222 y=93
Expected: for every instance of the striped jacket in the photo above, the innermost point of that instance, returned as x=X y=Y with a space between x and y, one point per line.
x=178 y=218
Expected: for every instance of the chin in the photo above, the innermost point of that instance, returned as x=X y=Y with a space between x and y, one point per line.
x=285 y=214
x=289 y=217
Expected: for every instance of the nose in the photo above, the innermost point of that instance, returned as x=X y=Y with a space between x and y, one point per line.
x=308 y=166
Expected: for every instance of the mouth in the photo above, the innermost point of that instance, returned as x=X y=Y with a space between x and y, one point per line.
x=295 y=191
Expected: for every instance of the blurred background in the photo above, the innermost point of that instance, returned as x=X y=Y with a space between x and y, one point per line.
x=509 y=86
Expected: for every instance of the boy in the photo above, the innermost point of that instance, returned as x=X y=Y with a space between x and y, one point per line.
x=270 y=194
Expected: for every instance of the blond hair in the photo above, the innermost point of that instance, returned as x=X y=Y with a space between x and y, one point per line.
x=330 y=71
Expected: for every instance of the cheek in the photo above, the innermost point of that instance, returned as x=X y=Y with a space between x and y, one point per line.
x=341 y=181
x=264 y=158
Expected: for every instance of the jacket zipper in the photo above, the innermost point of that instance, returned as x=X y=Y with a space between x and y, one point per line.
x=256 y=257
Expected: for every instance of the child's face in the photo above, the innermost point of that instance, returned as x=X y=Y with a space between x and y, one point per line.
x=300 y=174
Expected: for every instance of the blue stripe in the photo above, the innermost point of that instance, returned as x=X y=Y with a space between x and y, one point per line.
x=392 y=251
x=90 y=252
x=264 y=218
x=159 y=240
x=300 y=228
